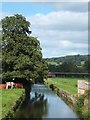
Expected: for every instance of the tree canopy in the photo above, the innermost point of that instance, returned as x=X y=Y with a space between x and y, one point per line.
x=21 y=53
x=87 y=66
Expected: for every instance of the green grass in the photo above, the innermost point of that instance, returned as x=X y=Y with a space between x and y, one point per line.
x=9 y=97
x=67 y=84
x=53 y=63
x=82 y=63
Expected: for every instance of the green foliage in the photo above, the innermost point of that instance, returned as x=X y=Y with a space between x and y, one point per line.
x=77 y=59
x=52 y=86
x=68 y=67
x=80 y=108
x=53 y=68
x=15 y=25
x=22 y=55
x=76 y=64
x=87 y=66
x=86 y=114
x=79 y=104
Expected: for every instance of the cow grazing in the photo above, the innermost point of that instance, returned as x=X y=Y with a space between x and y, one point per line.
x=9 y=85
x=18 y=85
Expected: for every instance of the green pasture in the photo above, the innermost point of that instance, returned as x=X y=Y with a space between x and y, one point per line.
x=52 y=63
x=9 y=97
x=67 y=84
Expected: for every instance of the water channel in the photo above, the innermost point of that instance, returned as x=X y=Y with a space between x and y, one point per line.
x=54 y=108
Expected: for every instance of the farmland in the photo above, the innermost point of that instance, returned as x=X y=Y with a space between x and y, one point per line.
x=67 y=84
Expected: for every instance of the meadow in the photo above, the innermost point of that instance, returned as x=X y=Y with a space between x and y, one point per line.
x=9 y=97
x=67 y=84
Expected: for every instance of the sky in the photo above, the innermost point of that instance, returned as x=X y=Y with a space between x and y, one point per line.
x=61 y=27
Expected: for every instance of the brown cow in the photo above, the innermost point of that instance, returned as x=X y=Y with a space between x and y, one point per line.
x=2 y=86
x=18 y=85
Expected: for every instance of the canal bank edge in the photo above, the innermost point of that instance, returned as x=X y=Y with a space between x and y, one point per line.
x=67 y=97
x=75 y=102
x=15 y=107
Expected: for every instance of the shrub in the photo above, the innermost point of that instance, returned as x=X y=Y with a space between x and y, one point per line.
x=52 y=86
x=79 y=104
x=86 y=114
x=80 y=108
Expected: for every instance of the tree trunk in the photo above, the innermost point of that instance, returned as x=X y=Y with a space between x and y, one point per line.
x=27 y=87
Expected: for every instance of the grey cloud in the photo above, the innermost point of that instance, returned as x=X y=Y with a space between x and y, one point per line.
x=46 y=0
x=55 y=52
x=71 y=6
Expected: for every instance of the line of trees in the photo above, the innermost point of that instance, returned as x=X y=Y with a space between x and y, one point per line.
x=70 y=66
x=77 y=59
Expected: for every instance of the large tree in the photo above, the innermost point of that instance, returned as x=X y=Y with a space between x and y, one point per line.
x=21 y=53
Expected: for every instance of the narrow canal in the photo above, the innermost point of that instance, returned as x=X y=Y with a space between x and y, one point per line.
x=55 y=107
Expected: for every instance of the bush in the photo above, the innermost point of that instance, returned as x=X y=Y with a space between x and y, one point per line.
x=80 y=109
x=52 y=86
x=86 y=114
x=79 y=104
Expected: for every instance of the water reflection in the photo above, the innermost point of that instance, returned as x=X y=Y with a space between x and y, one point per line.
x=54 y=108
x=32 y=110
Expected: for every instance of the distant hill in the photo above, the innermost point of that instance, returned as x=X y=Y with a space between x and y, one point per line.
x=78 y=59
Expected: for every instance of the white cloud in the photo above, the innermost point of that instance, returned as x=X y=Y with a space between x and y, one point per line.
x=61 y=33
x=61 y=20
x=55 y=44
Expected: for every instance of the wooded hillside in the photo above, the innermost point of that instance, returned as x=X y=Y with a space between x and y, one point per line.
x=78 y=59
x=74 y=63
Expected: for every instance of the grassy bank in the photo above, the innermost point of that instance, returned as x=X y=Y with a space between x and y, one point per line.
x=9 y=97
x=67 y=84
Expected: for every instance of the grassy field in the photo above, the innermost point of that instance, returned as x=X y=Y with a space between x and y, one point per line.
x=52 y=63
x=9 y=97
x=67 y=84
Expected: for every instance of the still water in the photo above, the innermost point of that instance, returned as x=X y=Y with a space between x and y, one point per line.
x=55 y=107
